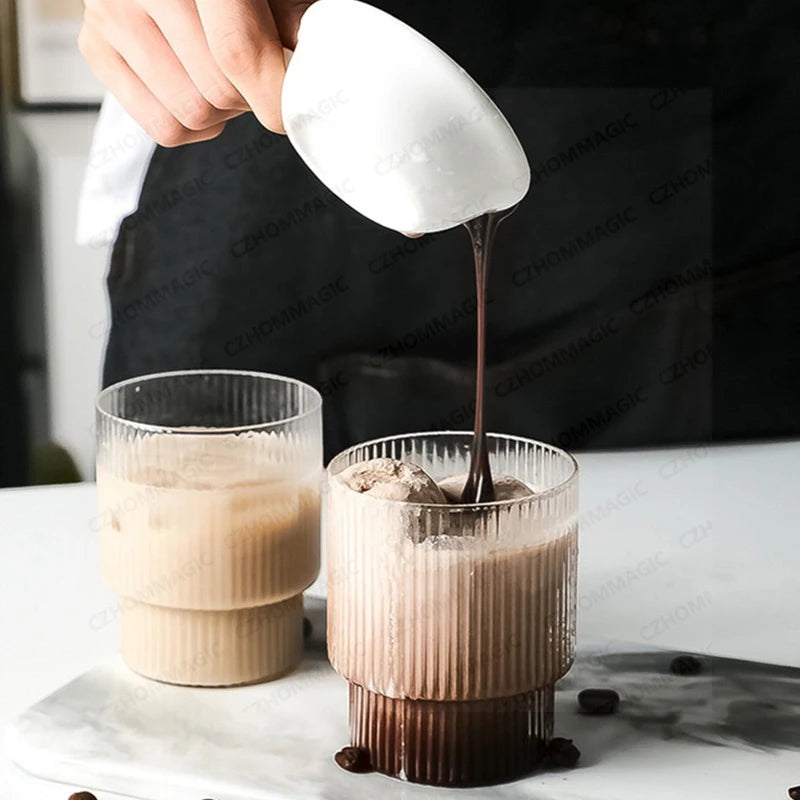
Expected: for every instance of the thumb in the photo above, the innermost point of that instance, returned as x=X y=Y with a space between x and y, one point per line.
x=287 y=14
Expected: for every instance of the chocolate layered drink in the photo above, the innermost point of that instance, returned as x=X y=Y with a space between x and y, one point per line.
x=451 y=622
x=209 y=535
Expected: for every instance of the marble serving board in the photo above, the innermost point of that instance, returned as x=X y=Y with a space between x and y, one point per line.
x=732 y=732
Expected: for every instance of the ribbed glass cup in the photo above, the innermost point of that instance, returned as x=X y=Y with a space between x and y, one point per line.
x=209 y=495
x=452 y=623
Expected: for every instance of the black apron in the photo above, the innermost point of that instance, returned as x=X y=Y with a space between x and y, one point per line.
x=644 y=292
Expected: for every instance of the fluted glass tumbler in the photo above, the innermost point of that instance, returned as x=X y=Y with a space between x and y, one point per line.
x=209 y=491
x=452 y=623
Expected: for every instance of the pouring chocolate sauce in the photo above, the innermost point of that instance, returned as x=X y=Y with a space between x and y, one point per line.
x=416 y=146
x=479 y=487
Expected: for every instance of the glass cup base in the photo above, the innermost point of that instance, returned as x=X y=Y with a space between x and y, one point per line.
x=453 y=743
x=192 y=647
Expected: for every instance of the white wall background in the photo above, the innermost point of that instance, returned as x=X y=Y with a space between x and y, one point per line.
x=75 y=308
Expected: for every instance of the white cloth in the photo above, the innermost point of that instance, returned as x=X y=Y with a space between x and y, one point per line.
x=118 y=162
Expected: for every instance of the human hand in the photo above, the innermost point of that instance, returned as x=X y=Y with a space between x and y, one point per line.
x=181 y=68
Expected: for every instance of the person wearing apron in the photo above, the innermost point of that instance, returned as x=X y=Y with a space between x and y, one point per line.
x=641 y=294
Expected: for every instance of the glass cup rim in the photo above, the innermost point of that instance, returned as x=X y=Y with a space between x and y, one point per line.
x=559 y=488
x=185 y=430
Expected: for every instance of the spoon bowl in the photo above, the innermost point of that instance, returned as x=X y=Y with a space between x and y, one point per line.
x=393 y=126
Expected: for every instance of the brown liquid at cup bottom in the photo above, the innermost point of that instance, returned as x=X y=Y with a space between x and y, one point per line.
x=453 y=743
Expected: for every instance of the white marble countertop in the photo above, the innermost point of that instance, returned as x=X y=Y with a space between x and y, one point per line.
x=689 y=548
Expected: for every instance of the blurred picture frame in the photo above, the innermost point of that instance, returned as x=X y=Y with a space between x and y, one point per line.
x=50 y=69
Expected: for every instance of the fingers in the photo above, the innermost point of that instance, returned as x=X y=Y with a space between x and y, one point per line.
x=143 y=47
x=182 y=68
x=180 y=25
x=244 y=41
x=157 y=121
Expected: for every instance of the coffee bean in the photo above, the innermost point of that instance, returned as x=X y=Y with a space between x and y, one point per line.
x=794 y=792
x=598 y=701
x=353 y=759
x=307 y=627
x=562 y=753
x=82 y=796
x=685 y=665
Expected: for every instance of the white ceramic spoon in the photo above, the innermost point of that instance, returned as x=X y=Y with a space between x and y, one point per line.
x=393 y=125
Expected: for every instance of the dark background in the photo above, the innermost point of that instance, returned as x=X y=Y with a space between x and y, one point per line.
x=678 y=323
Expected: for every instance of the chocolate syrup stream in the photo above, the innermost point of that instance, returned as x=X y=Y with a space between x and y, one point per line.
x=479 y=487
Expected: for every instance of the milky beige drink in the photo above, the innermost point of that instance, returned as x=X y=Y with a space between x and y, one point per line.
x=210 y=533
x=453 y=623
